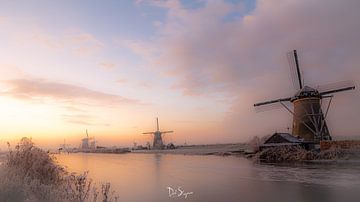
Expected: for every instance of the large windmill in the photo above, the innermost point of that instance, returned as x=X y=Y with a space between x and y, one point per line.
x=158 y=143
x=308 y=117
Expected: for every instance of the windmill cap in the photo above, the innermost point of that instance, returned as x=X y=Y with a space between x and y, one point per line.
x=306 y=91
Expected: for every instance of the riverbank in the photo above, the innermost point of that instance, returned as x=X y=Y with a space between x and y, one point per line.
x=294 y=154
x=211 y=149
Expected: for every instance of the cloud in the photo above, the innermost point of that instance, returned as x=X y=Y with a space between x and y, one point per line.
x=74 y=109
x=81 y=119
x=145 y=49
x=144 y=84
x=207 y=53
x=244 y=59
x=29 y=89
x=82 y=43
x=121 y=81
x=10 y=71
x=107 y=66
x=73 y=41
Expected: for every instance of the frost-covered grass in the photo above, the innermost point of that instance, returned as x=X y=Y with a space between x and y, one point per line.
x=299 y=154
x=31 y=174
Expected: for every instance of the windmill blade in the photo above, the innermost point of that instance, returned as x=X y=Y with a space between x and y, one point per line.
x=337 y=90
x=169 y=131
x=272 y=101
x=268 y=107
x=293 y=73
x=294 y=69
x=148 y=133
x=157 y=123
x=271 y=105
x=336 y=87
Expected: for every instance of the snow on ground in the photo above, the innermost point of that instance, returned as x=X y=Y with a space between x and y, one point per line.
x=214 y=149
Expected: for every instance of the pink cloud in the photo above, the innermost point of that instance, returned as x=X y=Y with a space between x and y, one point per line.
x=72 y=41
x=204 y=52
x=121 y=81
x=145 y=49
x=107 y=65
x=83 y=43
x=245 y=59
x=30 y=89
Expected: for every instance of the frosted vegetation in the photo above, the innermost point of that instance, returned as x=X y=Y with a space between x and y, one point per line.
x=31 y=174
x=293 y=154
x=298 y=154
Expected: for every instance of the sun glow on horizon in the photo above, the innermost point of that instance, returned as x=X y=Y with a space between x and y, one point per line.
x=199 y=67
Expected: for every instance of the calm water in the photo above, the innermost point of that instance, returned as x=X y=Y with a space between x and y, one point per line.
x=145 y=177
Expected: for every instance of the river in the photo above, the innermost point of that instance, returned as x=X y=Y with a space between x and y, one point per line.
x=156 y=177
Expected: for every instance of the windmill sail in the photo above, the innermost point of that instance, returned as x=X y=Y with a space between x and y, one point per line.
x=270 y=107
x=336 y=87
x=295 y=69
x=272 y=101
x=298 y=69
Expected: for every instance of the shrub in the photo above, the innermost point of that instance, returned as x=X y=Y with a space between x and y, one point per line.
x=31 y=174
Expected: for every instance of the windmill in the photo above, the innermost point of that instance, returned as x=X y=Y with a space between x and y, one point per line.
x=158 y=143
x=308 y=117
x=88 y=142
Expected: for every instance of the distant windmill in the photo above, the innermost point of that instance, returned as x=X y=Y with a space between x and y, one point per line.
x=85 y=142
x=88 y=142
x=308 y=117
x=158 y=143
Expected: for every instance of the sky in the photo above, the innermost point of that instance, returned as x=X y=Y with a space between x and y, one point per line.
x=111 y=67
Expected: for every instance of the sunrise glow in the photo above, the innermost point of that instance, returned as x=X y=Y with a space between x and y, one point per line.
x=199 y=66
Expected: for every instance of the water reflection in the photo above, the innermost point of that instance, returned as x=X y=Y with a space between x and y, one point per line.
x=145 y=177
x=157 y=163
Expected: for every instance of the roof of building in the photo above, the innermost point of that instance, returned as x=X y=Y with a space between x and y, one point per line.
x=285 y=137
x=289 y=137
x=278 y=144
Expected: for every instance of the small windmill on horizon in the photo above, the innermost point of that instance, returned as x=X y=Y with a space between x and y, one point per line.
x=88 y=142
x=158 y=142
x=308 y=117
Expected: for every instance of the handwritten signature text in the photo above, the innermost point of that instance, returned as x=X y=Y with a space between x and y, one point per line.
x=178 y=192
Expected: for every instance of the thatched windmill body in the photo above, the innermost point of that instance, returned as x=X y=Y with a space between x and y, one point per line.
x=308 y=116
x=158 y=142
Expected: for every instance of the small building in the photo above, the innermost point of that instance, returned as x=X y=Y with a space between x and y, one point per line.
x=282 y=139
